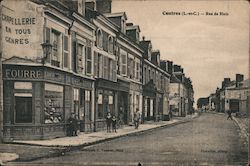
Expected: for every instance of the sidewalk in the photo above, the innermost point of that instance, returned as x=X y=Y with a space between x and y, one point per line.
x=244 y=125
x=30 y=150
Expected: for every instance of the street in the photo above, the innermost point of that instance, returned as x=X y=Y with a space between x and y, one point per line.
x=209 y=139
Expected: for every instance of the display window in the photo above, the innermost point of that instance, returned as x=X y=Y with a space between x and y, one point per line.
x=53 y=106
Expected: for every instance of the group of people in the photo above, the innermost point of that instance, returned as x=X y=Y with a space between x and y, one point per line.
x=111 y=121
x=73 y=125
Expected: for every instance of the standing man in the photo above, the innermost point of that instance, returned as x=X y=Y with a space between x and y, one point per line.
x=137 y=117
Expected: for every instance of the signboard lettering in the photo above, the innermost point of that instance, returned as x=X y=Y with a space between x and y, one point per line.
x=19 y=73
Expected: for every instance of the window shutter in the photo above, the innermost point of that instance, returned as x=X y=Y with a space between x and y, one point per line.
x=74 y=56
x=65 y=51
x=114 y=71
x=47 y=34
x=89 y=61
x=96 y=64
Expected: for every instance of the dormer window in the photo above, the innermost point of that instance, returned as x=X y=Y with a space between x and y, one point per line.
x=99 y=39
x=111 y=44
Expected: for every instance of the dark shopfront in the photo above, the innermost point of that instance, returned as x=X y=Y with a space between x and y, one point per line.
x=152 y=103
x=38 y=101
x=106 y=101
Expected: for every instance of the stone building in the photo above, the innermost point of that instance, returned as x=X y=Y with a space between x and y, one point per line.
x=42 y=89
x=63 y=57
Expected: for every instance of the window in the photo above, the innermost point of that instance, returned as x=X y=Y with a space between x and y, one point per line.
x=55 y=60
x=53 y=106
x=123 y=55
x=88 y=104
x=89 y=61
x=111 y=44
x=23 y=109
x=99 y=39
x=80 y=57
x=65 y=51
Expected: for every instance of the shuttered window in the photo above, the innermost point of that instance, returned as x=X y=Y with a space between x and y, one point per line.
x=89 y=61
x=65 y=51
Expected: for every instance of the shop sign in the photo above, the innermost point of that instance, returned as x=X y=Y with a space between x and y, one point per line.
x=21 y=28
x=22 y=73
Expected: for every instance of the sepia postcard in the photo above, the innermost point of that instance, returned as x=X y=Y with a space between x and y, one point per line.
x=124 y=82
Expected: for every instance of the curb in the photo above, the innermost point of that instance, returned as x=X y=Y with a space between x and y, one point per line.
x=66 y=149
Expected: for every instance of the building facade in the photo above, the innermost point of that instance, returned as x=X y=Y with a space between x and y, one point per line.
x=63 y=57
x=41 y=89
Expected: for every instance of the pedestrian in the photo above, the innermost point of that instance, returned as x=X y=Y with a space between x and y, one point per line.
x=170 y=114
x=108 y=121
x=114 y=123
x=229 y=112
x=137 y=117
x=72 y=125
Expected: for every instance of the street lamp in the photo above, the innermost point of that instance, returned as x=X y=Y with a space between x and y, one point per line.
x=47 y=47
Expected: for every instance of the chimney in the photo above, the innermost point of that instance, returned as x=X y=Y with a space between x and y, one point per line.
x=226 y=82
x=104 y=6
x=239 y=78
x=90 y=5
x=170 y=67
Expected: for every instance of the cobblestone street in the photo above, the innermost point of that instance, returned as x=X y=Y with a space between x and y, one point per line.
x=209 y=139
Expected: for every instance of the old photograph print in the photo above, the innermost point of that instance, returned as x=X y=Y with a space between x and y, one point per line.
x=124 y=82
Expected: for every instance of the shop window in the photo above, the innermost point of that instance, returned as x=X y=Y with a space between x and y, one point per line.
x=88 y=104
x=23 y=108
x=111 y=105
x=53 y=106
x=76 y=101
x=100 y=112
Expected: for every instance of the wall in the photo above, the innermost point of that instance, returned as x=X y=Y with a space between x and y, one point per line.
x=22 y=29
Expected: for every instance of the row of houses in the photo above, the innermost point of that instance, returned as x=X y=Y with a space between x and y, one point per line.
x=63 y=57
x=233 y=95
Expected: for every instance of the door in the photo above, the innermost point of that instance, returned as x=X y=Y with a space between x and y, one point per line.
x=23 y=109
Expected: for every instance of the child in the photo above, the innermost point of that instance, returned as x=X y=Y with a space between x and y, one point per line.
x=114 y=123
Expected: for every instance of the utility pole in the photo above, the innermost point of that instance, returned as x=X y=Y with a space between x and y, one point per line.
x=1 y=74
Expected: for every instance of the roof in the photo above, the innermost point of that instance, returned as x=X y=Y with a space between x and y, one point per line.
x=119 y=14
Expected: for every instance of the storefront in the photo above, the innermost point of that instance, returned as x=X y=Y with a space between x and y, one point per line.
x=38 y=101
x=106 y=101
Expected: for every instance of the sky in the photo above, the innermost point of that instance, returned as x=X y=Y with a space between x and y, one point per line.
x=208 y=47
